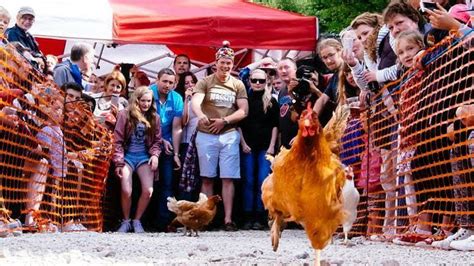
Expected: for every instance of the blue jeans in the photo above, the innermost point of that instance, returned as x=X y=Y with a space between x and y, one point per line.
x=164 y=187
x=255 y=169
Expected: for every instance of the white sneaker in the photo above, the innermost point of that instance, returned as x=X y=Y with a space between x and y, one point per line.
x=80 y=227
x=125 y=226
x=461 y=234
x=14 y=226
x=137 y=227
x=463 y=245
x=3 y=229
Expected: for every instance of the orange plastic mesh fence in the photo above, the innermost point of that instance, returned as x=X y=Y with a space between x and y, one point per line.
x=54 y=157
x=418 y=138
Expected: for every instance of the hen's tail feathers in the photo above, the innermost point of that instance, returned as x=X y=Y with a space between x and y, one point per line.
x=270 y=158
x=202 y=198
x=335 y=128
x=172 y=204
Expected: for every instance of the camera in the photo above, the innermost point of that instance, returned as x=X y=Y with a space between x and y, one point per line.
x=427 y=5
x=302 y=90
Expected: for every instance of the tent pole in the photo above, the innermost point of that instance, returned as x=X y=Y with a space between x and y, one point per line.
x=154 y=59
x=241 y=58
x=100 y=56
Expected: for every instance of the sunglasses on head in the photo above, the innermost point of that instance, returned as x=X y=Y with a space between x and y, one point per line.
x=260 y=81
x=270 y=72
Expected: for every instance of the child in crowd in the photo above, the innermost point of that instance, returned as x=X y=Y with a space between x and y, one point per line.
x=258 y=137
x=4 y=21
x=137 y=149
x=408 y=46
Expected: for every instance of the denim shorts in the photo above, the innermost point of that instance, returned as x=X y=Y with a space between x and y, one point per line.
x=134 y=160
x=220 y=149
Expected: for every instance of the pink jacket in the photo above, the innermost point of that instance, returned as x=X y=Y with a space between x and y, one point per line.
x=122 y=134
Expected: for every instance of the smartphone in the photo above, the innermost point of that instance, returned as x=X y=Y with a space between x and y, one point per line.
x=348 y=43
x=115 y=100
x=427 y=5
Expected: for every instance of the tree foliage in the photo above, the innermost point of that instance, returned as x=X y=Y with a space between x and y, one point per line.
x=333 y=15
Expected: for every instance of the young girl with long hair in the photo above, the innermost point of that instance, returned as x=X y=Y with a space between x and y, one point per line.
x=258 y=137
x=137 y=149
x=330 y=52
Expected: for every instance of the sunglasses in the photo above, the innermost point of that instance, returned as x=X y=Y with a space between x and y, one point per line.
x=270 y=72
x=260 y=81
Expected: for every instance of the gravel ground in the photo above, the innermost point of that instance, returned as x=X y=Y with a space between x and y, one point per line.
x=234 y=248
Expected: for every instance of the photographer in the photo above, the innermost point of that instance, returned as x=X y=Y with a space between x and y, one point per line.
x=304 y=88
x=292 y=98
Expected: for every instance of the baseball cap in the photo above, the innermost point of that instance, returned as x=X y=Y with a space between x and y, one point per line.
x=460 y=13
x=26 y=10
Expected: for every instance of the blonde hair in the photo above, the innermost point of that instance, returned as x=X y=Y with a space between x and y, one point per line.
x=135 y=115
x=267 y=94
x=411 y=36
x=376 y=22
x=116 y=75
x=329 y=43
x=4 y=12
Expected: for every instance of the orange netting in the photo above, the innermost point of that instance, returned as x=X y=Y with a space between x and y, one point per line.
x=419 y=146
x=54 y=158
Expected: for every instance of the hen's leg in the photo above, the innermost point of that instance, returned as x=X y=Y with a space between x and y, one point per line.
x=196 y=233
x=346 y=239
x=185 y=231
x=276 y=231
x=317 y=261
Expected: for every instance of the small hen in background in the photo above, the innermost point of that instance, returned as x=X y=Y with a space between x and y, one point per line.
x=194 y=216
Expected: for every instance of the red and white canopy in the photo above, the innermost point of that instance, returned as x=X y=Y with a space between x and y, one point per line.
x=181 y=22
x=162 y=27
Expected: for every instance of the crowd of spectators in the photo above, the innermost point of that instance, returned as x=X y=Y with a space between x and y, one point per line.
x=217 y=130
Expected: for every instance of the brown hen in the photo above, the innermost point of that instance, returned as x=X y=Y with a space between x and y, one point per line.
x=307 y=180
x=194 y=215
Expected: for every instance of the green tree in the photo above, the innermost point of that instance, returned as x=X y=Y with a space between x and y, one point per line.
x=333 y=15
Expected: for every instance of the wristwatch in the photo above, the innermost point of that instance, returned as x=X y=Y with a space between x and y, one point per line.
x=225 y=121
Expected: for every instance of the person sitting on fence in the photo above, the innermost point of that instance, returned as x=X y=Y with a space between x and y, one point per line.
x=19 y=33
x=52 y=142
x=137 y=149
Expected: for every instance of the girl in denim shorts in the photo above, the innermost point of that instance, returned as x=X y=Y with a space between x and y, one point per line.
x=137 y=149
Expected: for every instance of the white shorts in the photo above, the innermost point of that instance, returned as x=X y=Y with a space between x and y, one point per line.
x=220 y=149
